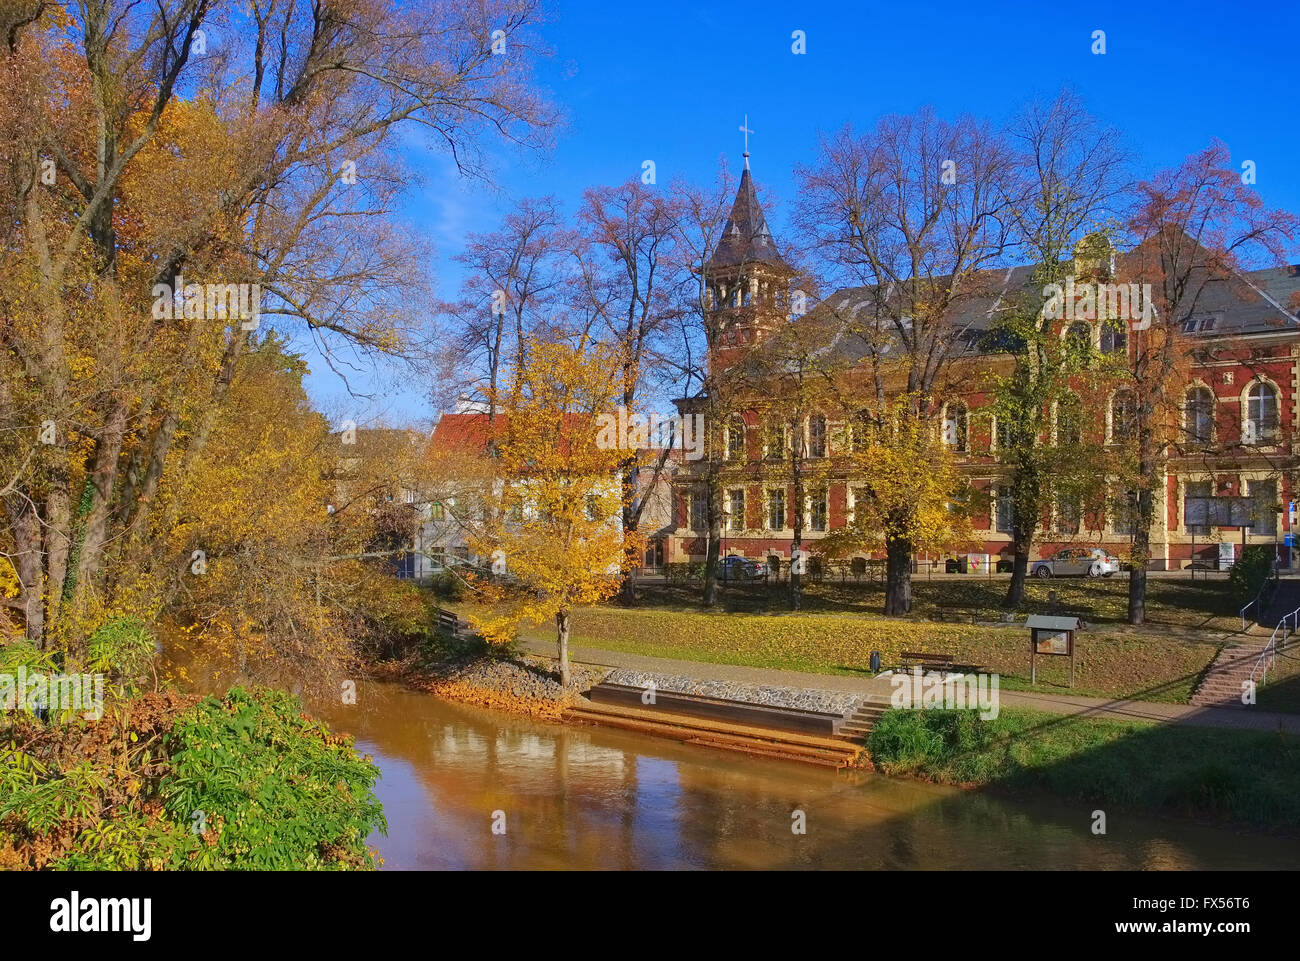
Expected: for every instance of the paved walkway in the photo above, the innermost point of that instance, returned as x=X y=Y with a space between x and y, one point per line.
x=879 y=687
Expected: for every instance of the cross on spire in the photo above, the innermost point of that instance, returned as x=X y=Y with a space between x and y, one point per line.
x=744 y=128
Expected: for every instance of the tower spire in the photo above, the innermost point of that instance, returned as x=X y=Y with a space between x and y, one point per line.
x=744 y=128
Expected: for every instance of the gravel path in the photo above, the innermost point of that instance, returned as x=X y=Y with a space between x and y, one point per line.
x=804 y=699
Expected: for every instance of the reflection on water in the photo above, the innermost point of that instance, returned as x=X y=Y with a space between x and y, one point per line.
x=600 y=798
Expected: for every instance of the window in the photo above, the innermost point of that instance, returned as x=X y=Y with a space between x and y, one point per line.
x=436 y=511
x=954 y=425
x=817 y=511
x=1197 y=489
x=775 y=440
x=861 y=431
x=1114 y=338
x=817 y=435
x=1261 y=414
x=1069 y=422
x=736 y=439
x=1125 y=511
x=699 y=511
x=1003 y=432
x=1123 y=417
x=1068 y=513
x=1078 y=338
x=1005 y=511
x=736 y=510
x=1264 y=509
x=859 y=495
x=776 y=509
x=1198 y=416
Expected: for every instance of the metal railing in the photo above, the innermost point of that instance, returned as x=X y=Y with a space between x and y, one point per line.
x=1266 y=588
x=1270 y=649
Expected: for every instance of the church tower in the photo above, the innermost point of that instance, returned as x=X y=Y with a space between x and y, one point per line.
x=748 y=281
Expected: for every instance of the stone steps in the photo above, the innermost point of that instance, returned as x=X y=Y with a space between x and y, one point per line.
x=765 y=742
x=1221 y=685
x=857 y=727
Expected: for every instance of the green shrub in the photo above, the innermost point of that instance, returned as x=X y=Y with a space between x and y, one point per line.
x=245 y=781
x=1250 y=571
x=278 y=789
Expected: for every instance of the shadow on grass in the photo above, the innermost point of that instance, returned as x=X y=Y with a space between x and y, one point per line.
x=1218 y=774
x=1198 y=604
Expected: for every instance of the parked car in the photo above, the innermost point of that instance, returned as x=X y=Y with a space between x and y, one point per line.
x=1078 y=561
x=741 y=569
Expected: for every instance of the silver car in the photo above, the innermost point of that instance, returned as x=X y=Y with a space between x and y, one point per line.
x=1078 y=561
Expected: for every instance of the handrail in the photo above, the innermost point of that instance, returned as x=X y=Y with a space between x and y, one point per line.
x=1270 y=649
x=1249 y=605
x=1269 y=582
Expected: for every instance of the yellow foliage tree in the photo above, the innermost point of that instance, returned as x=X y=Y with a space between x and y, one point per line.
x=552 y=521
x=909 y=497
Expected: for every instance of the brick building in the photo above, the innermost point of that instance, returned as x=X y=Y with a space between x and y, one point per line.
x=1240 y=415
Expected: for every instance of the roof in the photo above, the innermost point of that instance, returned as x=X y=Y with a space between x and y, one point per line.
x=460 y=432
x=746 y=237
x=1252 y=302
x=1052 y=623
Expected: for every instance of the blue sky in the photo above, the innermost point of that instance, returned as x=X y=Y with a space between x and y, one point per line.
x=671 y=81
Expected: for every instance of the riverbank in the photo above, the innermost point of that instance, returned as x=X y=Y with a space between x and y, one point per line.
x=1224 y=776
x=516 y=684
x=1221 y=775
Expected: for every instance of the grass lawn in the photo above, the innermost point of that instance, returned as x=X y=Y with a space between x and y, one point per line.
x=1229 y=775
x=840 y=625
x=1109 y=664
x=1282 y=692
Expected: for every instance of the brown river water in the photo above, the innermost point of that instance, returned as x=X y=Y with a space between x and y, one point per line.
x=587 y=797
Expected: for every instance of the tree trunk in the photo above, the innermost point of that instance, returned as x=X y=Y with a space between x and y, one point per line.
x=58 y=543
x=562 y=639
x=898 y=577
x=26 y=529
x=713 y=503
x=1137 y=580
x=1019 y=572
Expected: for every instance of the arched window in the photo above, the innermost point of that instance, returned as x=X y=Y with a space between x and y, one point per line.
x=1261 y=413
x=954 y=425
x=1078 y=337
x=1198 y=416
x=735 y=439
x=1123 y=417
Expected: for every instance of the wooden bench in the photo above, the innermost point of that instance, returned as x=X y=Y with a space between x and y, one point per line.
x=448 y=621
x=926 y=659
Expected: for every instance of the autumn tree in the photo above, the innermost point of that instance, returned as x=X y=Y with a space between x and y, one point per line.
x=519 y=275
x=914 y=212
x=143 y=160
x=554 y=534
x=1069 y=174
x=625 y=263
x=702 y=215
x=1192 y=229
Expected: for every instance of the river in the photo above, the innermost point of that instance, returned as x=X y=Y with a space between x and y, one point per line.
x=586 y=797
